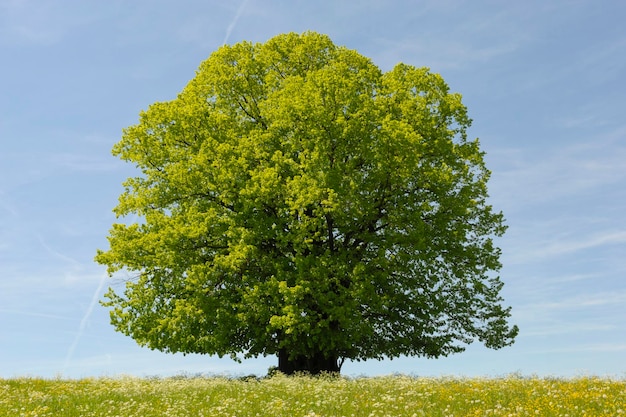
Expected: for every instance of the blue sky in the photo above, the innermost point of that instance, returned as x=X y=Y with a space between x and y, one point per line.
x=544 y=82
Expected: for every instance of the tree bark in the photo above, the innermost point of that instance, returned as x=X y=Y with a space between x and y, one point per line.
x=315 y=365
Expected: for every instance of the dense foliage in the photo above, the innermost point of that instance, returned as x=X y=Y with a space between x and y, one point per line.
x=296 y=200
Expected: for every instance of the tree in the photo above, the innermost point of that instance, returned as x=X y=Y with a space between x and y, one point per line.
x=294 y=200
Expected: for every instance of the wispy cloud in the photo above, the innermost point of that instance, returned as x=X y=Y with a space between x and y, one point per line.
x=28 y=21
x=44 y=22
x=529 y=246
x=7 y=206
x=590 y=348
x=35 y=314
x=597 y=299
x=471 y=35
x=525 y=177
x=7 y=233
x=609 y=237
x=84 y=163
x=598 y=62
x=61 y=256
x=562 y=328
x=437 y=54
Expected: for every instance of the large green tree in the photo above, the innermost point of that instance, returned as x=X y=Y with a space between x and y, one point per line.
x=294 y=200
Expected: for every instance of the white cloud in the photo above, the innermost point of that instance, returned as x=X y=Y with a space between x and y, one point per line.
x=30 y=313
x=549 y=242
x=571 y=278
x=590 y=300
x=200 y=30
x=84 y=163
x=588 y=242
x=471 y=35
x=56 y=254
x=600 y=62
x=31 y=22
x=523 y=178
x=47 y=22
x=438 y=54
x=590 y=348
x=7 y=206
x=562 y=328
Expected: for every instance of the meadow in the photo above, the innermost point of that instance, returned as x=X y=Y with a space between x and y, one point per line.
x=313 y=397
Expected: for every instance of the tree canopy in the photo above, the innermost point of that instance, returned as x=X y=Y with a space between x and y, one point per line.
x=295 y=200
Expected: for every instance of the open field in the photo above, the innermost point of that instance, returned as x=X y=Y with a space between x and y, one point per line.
x=305 y=396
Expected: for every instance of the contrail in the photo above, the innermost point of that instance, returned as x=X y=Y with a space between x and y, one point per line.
x=230 y=28
x=83 y=322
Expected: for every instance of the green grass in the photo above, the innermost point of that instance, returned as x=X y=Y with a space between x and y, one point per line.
x=306 y=396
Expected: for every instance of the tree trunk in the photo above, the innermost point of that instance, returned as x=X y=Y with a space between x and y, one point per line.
x=315 y=365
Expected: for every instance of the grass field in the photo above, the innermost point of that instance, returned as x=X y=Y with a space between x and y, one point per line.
x=306 y=396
